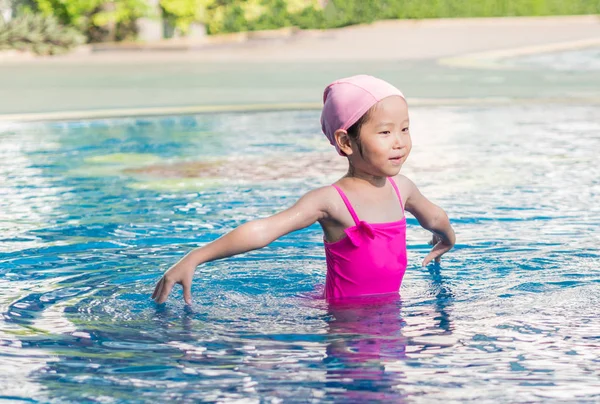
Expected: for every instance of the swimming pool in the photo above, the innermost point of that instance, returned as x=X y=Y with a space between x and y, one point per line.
x=94 y=212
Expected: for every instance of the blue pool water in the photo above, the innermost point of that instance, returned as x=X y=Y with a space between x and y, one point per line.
x=93 y=212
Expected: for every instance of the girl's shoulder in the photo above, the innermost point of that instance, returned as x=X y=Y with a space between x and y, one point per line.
x=402 y=179
x=405 y=185
x=321 y=197
x=326 y=199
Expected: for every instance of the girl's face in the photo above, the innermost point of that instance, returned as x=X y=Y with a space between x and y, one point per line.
x=384 y=139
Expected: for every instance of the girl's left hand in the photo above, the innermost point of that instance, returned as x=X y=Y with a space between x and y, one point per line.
x=439 y=249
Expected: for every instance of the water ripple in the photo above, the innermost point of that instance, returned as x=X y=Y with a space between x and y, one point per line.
x=510 y=315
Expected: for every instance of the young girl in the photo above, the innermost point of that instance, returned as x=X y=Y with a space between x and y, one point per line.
x=362 y=214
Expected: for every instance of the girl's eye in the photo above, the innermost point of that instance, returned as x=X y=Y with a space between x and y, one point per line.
x=405 y=130
x=385 y=132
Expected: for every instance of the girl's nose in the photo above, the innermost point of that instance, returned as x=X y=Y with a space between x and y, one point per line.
x=399 y=141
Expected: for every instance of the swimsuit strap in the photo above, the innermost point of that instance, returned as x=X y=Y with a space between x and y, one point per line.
x=348 y=204
x=397 y=192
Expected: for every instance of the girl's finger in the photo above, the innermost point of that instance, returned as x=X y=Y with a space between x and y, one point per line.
x=159 y=291
x=164 y=293
x=436 y=253
x=187 y=292
x=428 y=259
x=157 y=288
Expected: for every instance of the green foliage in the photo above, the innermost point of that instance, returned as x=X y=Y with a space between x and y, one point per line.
x=490 y=8
x=98 y=19
x=311 y=18
x=277 y=16
x=181 y=13
x=238 y=15
x=39 y=34
x=102 y=20
x=251 y=15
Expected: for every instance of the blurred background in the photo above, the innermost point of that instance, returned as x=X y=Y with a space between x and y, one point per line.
x=54 y=26
x=132 y=131
x=112 y=56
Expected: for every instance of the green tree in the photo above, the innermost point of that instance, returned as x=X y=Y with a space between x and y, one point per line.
x=98 y=19
x=181 y=13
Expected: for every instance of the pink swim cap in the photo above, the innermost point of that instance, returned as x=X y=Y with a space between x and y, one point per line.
x=345 y=101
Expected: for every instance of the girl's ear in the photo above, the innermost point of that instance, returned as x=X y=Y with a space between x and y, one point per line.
x=342 y=139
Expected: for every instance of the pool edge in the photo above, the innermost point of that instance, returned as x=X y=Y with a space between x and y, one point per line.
x=205 y=109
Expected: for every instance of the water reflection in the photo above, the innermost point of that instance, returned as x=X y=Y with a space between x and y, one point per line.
x=442 y=303
x=367 y=345
x=364 y=334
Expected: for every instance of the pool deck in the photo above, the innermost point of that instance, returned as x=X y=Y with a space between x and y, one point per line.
x=450 y=61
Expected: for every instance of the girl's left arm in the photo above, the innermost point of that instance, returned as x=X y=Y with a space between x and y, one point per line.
x=431 y=217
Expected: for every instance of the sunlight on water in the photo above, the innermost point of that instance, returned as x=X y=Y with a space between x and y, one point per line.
x=94 y=212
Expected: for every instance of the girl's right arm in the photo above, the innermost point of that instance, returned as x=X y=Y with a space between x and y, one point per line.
x=249 y=236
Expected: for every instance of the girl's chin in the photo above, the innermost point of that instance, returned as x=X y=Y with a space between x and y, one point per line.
x=394 y=170
x=386 y=171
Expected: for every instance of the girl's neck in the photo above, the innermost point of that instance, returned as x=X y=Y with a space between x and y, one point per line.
x=376 y=181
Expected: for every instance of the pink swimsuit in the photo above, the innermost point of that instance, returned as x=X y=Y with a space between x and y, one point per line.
x=370 y=260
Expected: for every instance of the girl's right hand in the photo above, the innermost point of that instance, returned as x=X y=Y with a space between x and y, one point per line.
x=181 y=273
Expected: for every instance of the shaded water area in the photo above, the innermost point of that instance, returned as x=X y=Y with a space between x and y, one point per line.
x=93 y=212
